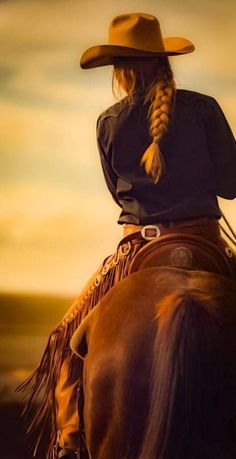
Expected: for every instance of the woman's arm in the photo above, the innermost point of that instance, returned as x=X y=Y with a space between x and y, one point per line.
x=222 y=150
x=109 y=174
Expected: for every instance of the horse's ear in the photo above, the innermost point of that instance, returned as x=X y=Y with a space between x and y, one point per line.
x=78 y=342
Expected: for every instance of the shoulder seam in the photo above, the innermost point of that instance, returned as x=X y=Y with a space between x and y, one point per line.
x=190 y=96
x=114 y=115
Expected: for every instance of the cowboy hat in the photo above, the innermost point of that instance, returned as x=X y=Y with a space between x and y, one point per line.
x=134 y=35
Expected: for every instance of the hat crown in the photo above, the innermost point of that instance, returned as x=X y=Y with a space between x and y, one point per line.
x=134 y=35
x=136 y=30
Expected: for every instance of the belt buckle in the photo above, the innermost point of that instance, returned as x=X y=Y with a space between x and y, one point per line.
x=147 y=227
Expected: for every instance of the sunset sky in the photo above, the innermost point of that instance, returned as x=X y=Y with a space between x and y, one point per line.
x=58 y=220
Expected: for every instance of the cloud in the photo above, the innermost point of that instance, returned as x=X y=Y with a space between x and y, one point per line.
x=44 y=144
x=7 y=72
x=40 y=82
x=48 y=215
x=52 y=240
x=57 y=216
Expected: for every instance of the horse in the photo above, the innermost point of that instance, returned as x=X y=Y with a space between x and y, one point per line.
x=159 y=367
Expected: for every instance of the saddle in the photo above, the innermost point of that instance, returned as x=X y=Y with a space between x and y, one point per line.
x=187 y=251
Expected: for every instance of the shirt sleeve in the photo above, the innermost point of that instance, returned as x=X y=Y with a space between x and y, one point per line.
x=109 y=174
x=222 y=150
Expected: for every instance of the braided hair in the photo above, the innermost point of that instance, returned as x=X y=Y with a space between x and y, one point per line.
x=155 y=78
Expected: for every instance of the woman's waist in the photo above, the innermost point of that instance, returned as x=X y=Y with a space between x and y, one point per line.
x=192 y=208
x=205 y=226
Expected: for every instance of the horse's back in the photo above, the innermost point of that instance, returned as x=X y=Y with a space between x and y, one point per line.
x=120 y=334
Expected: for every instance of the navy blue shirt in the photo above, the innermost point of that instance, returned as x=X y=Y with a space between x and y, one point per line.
x=199 y=152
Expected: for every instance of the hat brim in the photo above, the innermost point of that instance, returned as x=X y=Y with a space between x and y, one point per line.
x=99 y=56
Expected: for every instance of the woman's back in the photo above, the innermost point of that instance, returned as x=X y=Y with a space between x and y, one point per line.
x=198 y=152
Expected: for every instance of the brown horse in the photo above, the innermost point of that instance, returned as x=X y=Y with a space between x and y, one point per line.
x=159 y=375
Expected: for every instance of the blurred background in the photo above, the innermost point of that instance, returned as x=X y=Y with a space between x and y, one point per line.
x=58 y=220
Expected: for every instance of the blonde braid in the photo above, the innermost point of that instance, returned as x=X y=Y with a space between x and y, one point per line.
x=162 y=95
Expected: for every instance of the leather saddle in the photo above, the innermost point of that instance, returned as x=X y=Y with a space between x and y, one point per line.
x=185 y=251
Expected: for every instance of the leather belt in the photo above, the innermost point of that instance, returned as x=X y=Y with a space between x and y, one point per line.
x=207 y=227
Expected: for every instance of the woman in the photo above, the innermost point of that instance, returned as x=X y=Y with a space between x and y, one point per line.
x=166 y=154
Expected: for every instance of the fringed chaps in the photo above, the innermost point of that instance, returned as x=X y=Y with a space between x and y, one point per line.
x=40 y=408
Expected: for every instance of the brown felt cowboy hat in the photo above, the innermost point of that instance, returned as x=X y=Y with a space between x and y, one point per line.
x=134 y=35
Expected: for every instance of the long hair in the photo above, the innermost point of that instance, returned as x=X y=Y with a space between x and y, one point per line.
x=154 y=78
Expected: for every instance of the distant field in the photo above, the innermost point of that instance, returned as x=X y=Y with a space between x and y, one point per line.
x=26 y=321
x=29 y=313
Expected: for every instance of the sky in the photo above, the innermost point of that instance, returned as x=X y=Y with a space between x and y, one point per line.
x=58 y=220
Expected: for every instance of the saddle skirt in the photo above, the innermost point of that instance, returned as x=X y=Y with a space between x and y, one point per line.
x=185 y=251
